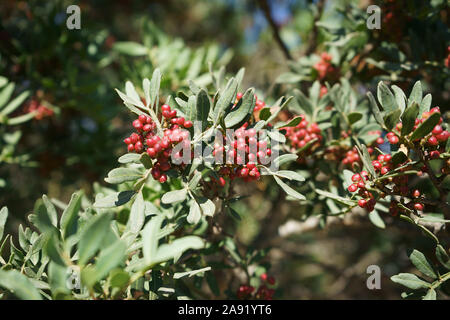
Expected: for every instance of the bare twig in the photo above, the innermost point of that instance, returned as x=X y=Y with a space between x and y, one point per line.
x=312 y=42
x=264 y=5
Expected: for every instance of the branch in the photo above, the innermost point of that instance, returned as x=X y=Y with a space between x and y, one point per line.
x=312 y=43
x=264 y=5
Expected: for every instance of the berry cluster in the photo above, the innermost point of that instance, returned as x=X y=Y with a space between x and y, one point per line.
x=324 y=67
x=434 y=142
x=415 y=204
x=159 y=148
x=40 y=110
x=245 y=143
x=399 y=186
x=245 y=292
x=303 y=133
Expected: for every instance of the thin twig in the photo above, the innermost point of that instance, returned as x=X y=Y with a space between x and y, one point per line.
x=312 y=43
x=264 y=5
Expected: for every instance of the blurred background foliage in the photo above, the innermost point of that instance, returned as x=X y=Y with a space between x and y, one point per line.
x=74 y=72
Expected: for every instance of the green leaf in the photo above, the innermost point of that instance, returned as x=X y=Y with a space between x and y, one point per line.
x=146 y=161
x=291 y=175
x=399 y=157
x=174 y=196
x=422 y=264
x=19 y=285
x=191 y=273
x=442 y=256
x=154 y=88
x=175 y=249
x=130 y=48
x=6 y=93
x=365 y=157
x=21 y=119
x=69 y=218
x=226 y=98
x=120 y=175
x=58 y=278
x=92 y=235
x=150 y=239
x=265 y=113
x=425 y=104
x=203 y=107
x=109 y=258
x=408 y=119
x=410 y=281
x=207 y=206
x=416 y=94
x=289 y=77
x=14 y=104
x=335 y=197
x=391 y=119
x=386 y=97
x=119 y=278
x=285 y=158
x=376 y=219
x=376 y=111
x=114 y=200
x=51 y=210
x=242 y=111
x=195 y=213
x=289 y=190
x=130 y=157
x=426 y=127
x=276 y=135
x=354 y=117
x=431 y=295
x=3 y=217
x=303 y=102
x=400 y=97
x=137 y=215
x=290 y=123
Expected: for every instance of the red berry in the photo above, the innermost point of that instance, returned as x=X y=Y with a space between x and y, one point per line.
x=138 y=147
x=418 y=206
x=384 y=170
x=434 y=154
x=387 y=157
x=137 y=124
x=264 y=277
x=188 y=124
x=437 y=130
x=362 y=203
x=130 y=147
x=416 y=193
x=380 y=140
x=151 y=152
x=165 y=107
x=393 y=140
x=443 y=136
x=142 y=118
x=163 y=178
x=356 y=177
x=352 y=187
x=361 y=185
x=432 y=141
x=127 y=140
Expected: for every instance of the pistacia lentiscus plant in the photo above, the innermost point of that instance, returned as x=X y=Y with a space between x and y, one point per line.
x=160 y=234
